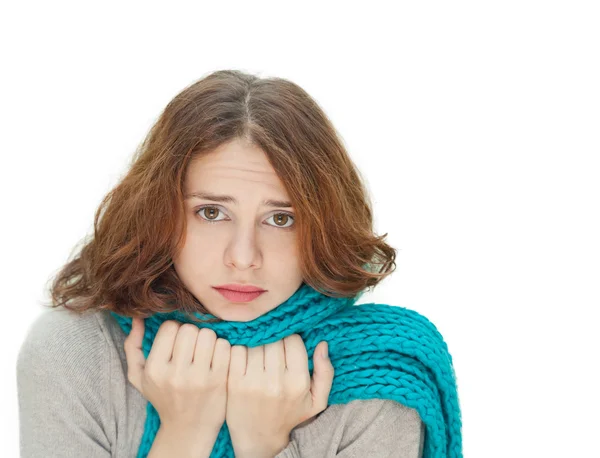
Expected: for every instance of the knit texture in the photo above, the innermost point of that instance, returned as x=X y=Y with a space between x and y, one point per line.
x=377 y=351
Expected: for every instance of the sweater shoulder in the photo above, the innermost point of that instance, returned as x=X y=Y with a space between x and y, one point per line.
x=63 y=382
x=60 y=332
x=76 y=340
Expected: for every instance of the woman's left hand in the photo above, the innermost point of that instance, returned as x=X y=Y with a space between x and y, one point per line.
x=270 y=392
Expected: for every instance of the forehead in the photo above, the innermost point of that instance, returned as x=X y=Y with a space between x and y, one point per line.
x=233 y=166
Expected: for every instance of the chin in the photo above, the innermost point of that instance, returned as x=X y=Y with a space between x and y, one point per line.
x=241 y=314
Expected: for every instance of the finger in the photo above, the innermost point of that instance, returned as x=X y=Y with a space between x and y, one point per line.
x=237 y=365
x=205 y=348
x=221 y=357
x=322 y=378
x=275 y=357
x=164 y=340
x=296 y=358
x=256 y=359
x=134 y=354
x=185 y=344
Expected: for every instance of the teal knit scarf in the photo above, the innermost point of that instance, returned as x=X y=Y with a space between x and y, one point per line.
x=377 y=351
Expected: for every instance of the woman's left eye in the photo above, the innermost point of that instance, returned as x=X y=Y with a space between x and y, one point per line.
x=282 y=215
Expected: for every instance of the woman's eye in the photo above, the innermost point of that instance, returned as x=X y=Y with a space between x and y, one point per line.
x=282 y=218
x=209 y=213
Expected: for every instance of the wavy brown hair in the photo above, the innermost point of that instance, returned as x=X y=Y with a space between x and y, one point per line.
x=127 y=265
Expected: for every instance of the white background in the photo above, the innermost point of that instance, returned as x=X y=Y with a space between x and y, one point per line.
x=475 y=124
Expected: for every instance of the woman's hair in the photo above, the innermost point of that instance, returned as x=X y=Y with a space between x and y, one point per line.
x=140 y=225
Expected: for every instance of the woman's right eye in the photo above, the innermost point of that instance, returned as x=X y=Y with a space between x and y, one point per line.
x=211 y=214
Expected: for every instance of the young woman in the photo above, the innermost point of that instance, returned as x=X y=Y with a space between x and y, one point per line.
x=242 y=184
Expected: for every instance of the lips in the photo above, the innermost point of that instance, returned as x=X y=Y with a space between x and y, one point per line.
x=239 y=296
x=239 y=287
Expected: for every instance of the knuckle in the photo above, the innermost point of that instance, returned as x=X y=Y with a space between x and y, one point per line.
x=188 y=327
x=173 y=384
x=210 y=383
x=208 y=333
x=274 y=390
x=299 y=386
x=237 y=349
x=154 y=373
x=223 y=344
x=170 y=325
x=177 y=382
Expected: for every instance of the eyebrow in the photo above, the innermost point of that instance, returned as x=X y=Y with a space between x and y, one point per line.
x=233 y=200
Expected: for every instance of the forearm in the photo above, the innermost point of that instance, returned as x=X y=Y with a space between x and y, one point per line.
x=171 y=442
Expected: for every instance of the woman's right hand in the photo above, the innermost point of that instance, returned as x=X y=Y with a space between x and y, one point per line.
x=184 y=377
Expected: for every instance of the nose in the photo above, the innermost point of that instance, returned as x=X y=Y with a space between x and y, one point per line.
x=243 y=250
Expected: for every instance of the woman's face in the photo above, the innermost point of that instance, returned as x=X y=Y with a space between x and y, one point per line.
x=248 y=242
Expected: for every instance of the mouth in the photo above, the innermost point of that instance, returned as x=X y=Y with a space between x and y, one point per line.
x=239 y=296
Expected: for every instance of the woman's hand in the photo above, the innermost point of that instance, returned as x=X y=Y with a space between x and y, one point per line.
x=270 y=392
x=184 y=377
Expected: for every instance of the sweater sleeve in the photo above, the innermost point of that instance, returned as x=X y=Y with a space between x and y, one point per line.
x=63 y=388
x=378 y=428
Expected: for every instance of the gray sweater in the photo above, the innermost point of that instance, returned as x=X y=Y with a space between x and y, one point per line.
x=75 y=401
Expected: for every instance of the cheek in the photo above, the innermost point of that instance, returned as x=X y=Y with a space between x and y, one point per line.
x=197 y=254
x=200 y=236
x=284 y=240
x=280 y=248
x=283 y=257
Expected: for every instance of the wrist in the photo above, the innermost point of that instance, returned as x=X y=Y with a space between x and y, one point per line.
x=263 y=449
x=185 y=442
